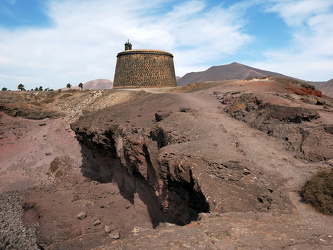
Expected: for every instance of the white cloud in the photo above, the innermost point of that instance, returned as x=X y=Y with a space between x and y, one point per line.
x=309 y=54
x=86 y=36
x=295 y=12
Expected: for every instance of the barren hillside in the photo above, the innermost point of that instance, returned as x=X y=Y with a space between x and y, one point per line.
x=325 y=87
x=215 y=165
x=230 y=71
x=98 y=84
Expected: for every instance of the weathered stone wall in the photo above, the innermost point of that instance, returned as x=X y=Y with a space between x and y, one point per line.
x=144 y=68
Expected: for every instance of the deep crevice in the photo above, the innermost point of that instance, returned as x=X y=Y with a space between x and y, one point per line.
x=107 y=167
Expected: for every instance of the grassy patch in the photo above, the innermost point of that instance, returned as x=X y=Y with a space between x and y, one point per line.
x=318 y=191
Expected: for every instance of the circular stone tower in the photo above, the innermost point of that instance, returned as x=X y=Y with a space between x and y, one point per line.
x=144 y=68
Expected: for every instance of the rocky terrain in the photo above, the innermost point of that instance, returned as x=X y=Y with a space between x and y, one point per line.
x=214 y=165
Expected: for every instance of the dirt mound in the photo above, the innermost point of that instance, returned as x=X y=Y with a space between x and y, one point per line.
x=29 y=105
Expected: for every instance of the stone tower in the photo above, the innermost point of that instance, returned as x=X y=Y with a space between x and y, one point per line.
x=144 y=68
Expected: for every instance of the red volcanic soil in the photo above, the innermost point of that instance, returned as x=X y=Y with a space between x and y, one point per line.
x=304 y=91
x=221 y=138
x=27 y=146
x=45 y=157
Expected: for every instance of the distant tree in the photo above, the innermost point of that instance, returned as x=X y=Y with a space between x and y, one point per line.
x=69 y=85
x=40 y=88
x=46 y=89
x=36 y=89
x=20 y=87
x=4 y=89
x=51 y=90
x=81 y=85
x=31 y=89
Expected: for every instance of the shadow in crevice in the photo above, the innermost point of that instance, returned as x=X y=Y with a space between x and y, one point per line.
x=109 y=169
x=134 y=173
x=188 y=199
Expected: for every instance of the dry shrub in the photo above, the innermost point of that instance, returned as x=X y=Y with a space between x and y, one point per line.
x=50 y=97
x=36 y=103
x=303 y=91
x=60 y=165
x=55 y=164
x=65 y=95
x=318 y=191
x=48 y=100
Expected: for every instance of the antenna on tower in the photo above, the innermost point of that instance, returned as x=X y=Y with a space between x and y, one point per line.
x=128 y=45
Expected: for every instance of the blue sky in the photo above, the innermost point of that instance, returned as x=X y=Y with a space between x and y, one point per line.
x=55 y=42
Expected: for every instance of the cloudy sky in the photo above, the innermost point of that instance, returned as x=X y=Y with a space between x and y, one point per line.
x=55 y=42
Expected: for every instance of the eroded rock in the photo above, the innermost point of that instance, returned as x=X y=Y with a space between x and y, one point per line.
x=295 y=125
x=169 y=159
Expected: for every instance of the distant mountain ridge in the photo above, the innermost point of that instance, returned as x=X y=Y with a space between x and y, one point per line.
x=325 y=87
x=94 y=85
x=240 y=71
x=98 y=84
x=225 y=72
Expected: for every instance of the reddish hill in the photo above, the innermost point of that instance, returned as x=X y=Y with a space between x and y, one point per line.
x=98 y=84
x=225 y=72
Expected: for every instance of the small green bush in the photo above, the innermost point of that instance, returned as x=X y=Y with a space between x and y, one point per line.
x=318 y=191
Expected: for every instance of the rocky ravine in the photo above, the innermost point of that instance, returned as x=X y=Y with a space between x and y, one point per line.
x=150 y=163
x=178 y=154
x=195 y=158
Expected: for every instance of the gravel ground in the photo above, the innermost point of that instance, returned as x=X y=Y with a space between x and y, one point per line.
x=13 y=234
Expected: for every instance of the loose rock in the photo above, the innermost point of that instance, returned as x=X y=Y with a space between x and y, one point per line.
x=107 y=229
x=115 y=235
x=82 y=215
x=97 y=222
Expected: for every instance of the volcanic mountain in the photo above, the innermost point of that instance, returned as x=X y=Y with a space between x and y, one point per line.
x=225 y=72
x=98 y=84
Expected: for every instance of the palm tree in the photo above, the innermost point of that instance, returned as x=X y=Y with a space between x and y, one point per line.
x=69 y=85
x=20 y=87
x=81 y=85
